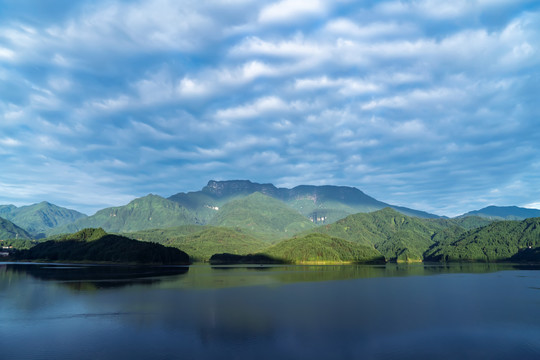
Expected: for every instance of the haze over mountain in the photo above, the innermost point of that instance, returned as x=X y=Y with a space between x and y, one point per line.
x=148 y=212
x=9 y=230
x=505 y=213
x=38 y=219
x=322 y=204
x=236 y=203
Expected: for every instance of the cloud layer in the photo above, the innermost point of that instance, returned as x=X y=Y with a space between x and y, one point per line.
x=417 y=103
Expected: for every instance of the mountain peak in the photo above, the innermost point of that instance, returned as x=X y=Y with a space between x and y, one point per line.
x=505 y=212
x=237 y=187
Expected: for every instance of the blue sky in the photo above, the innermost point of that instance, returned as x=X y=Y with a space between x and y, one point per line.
x=424 y=103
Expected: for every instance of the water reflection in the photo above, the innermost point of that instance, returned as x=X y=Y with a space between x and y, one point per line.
x=288 y=312
x=92 y=277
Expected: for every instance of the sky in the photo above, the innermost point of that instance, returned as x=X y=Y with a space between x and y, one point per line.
x=428 y=104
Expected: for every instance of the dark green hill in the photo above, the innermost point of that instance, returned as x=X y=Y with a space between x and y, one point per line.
x=149 y=212
x=505 y=213
x=201 y=242
x=397 y=236
x=263 y=216
x=321 y=248
x=37 y=219
x=95 y=245
x=498 y=241
x=9 y=230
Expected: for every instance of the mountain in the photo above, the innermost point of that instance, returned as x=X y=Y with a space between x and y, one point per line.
x=201 y=242
x=498 y=241
x=265 y=217
x=470 y=222
x=96 y=245
x=322 y=204
x=9 y=230
x=148 y=212
x=321 y=248
x=397 y=236
x=505 y=213
x=38 y=219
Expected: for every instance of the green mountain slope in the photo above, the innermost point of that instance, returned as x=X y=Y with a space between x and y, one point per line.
x=9 y=230
x=322 y=204
x=263 y=216
x=470 y=222
x=98 y=246
x=505 y=213
x=397 y=236
x=201 y=242
x=317 y=248
x=148 y=212
x=498 y=241
x=38 y=219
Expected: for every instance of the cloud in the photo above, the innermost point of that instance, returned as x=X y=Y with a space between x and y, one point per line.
x=257 y=108
x=414 y=102
x=291 y=10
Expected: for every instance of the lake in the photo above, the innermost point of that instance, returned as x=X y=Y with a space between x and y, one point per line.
x=469 y=311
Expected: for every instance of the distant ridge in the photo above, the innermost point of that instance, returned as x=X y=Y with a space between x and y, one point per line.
x=321 y=204
x=38 y=219
x=9 y=230
x=505 y=213
x=148 y=212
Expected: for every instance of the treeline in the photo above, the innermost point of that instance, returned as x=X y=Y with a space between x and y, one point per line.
x=94 y=245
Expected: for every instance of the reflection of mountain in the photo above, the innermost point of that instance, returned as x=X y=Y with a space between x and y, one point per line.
x=82 y=277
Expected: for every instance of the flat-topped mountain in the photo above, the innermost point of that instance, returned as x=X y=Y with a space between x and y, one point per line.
x=321 y=204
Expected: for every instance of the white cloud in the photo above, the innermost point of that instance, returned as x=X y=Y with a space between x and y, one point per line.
x=346 y=86
x=296 y=47
x=257 y=108
x=291 y=10
x=6 y=54
x=347 y=28
x=9 y=142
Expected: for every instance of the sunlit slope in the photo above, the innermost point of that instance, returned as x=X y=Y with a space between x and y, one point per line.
x=264 y=217
x=323 y=204
x=9 y=230
x=397 y=236
x=321 y=248
x=148 y=212
x=201 y=242
x=500 y=240
x=40 y=218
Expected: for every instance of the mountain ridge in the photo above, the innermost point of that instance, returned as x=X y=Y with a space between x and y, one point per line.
x=504 y=213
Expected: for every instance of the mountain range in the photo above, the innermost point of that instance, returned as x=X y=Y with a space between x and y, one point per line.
x=241 y=217
x=267 y=211
x=39 y=219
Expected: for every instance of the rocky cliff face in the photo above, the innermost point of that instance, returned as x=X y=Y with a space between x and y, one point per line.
x=240 y=187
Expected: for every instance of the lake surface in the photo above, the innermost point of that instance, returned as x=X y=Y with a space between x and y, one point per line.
x=282 y=312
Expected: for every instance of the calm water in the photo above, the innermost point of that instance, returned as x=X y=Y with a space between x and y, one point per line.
x=293 y=312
